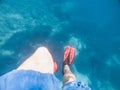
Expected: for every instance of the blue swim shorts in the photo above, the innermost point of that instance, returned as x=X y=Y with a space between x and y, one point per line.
x=32 y=80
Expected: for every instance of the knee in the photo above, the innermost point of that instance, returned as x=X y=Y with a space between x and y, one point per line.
x=42 y=49
x=43 y=52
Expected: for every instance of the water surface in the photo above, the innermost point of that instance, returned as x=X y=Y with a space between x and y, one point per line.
x=91 y=26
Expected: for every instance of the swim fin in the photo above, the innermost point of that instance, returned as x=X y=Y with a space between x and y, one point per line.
x=55 y=66
x=68 y=55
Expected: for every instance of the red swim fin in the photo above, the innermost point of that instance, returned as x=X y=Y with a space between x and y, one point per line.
x=71 y=55
x=55 y=66
x=68 y=55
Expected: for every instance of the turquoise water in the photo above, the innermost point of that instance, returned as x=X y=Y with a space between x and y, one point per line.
x=91 y=26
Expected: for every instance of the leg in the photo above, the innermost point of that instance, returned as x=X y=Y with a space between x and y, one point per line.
x=40 y=61
x=67 y=60
x=68 y=75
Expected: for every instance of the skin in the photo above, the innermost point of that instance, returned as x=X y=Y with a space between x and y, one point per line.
x=41 y=61
x=68 y=75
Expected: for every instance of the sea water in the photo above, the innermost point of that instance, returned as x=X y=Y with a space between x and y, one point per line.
x=92 y=27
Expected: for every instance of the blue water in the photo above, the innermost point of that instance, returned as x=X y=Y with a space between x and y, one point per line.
x=90 y=26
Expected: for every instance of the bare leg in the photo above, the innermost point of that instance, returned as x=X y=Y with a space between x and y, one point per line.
x=41 y=61
x=68 y=75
